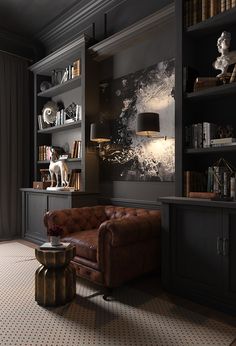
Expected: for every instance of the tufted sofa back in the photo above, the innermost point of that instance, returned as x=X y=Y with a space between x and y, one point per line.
x=85 y=218
x=113 y=212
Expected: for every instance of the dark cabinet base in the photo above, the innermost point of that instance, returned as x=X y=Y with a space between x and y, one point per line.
x=35 y=203
x=198 y=250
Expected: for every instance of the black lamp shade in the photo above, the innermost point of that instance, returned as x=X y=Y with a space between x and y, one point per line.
x=148 y=124
x=99 y=132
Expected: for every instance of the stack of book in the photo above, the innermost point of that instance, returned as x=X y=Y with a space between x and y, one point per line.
x=199 y=10
x=202 y=83
x=221 y=142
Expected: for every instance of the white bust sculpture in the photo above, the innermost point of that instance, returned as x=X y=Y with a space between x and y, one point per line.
x=226 y=58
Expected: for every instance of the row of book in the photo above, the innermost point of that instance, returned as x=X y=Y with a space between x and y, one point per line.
x=217 y=181
x=200 y=135
x=74 y=178
x=60 y=76
x=76 y=150
x=62 y=117
x=44 y=153
x=204 y=135
x=199 y=10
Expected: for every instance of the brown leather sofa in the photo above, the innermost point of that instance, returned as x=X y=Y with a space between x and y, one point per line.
x=113 y=244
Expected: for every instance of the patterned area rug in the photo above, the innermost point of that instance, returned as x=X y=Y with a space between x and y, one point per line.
x=133 y=317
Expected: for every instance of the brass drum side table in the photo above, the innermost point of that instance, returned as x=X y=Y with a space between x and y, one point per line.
x=55 y=280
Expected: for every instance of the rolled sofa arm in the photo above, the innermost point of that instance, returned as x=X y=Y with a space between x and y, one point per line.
x=59 y=218
x=132 y=229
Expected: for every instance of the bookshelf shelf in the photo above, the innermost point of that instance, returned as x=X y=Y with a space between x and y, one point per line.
x=212 y=92
x=61 y=88
x=226 y=148
x=43 y=162
x=212 y=24
x=67 y=160
x=60 y=127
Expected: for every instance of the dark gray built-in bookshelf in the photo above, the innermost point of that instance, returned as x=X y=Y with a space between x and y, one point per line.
x=197 y=49
x=198 y=235
x=82 y=90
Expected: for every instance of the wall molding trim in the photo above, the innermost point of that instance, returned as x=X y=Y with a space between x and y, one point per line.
x=128 y=36
x=131 y=203
x=70 y=20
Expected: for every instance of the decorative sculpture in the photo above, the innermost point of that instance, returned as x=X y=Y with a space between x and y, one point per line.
x=226 y=58
x=58 y=167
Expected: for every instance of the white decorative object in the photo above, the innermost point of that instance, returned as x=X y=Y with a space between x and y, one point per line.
x=58 y=167
x=226 y=58
x=50 y=112
x=55 y=240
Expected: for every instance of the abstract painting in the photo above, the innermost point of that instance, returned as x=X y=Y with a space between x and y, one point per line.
x=129 y=156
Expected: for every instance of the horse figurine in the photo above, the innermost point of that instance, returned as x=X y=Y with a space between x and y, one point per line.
x=58 y=167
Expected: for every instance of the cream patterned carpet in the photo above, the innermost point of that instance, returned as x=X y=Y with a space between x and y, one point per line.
x=134 y=316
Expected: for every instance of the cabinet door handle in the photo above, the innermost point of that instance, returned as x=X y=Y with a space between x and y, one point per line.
x=225 y=246
x=219 y=246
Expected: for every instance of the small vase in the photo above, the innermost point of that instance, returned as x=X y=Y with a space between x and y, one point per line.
x=55 y=240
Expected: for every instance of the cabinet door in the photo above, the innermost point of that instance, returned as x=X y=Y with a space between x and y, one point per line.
x=229 y=254
x=35 y=207
x=58 y=202
x=196 y=249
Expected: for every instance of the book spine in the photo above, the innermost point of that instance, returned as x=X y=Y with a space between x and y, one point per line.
x=233 y=3
x=210 y=180
x=206 y=195
x=186 y=13
x=195 y=11
x=213 y=8
x=228 y=4
x=233 y=75
x=232 y=187
x=204 y=10
x=225 y=184
x=199 y=135
x=190 y=19
x=222 y=5
x=188 y=178
x=216 y=182
x=79 y=149
x=195 y=136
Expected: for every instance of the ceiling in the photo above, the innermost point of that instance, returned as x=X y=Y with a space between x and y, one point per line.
x=28 y=17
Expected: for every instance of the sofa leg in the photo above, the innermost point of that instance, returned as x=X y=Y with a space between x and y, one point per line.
x=107 y=293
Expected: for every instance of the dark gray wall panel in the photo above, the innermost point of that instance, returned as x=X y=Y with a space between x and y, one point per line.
x=158 y=47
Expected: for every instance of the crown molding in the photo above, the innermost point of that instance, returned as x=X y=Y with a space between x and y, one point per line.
x=69 y=50
x=128 y=36
x=70 y=20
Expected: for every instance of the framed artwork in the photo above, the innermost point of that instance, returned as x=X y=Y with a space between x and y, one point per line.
x=129 y=156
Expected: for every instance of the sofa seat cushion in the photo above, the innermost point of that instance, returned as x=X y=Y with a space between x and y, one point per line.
x=86 y=243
